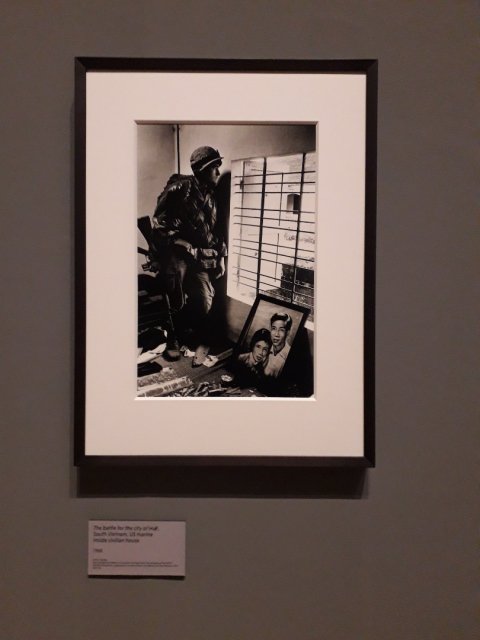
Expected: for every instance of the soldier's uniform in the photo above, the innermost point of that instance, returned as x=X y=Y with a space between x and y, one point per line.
x=187 y=241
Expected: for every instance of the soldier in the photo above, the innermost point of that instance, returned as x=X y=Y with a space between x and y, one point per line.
x=191 y=252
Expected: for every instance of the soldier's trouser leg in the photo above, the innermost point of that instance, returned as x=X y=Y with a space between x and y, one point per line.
x=174 y=278
x=200 y=294
x=191 y=296
x=195 y=314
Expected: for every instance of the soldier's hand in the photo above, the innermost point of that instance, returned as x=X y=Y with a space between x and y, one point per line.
x=221 y=268
x=207 y=253
x=186 y=246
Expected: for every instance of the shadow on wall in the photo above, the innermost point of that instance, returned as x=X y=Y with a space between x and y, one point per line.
x=219 y=311
x=245 y=481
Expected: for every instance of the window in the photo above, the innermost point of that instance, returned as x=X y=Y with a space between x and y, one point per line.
x=272 y=229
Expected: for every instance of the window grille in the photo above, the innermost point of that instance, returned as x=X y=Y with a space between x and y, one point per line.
x=272 y=228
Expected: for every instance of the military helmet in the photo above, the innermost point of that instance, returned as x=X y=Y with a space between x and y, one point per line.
x=204 y=157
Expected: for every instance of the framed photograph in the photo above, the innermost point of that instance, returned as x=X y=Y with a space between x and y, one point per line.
x=263 y=360
x=225 y=262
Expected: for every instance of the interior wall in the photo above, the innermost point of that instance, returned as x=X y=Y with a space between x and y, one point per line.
x=157 y=150
x=156 y=163
x=389 y=554
x=238 y=141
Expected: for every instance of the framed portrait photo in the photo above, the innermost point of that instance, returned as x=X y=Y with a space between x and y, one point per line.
x=225 y=262
x=263 y=360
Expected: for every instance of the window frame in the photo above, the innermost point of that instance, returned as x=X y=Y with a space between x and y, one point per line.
x=234 y=249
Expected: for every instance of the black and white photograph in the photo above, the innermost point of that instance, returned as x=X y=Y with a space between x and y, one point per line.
x=226 y=213
x=242 y=281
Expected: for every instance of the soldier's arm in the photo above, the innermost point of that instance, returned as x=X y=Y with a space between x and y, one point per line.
x=221 y=268
x=222 y=250
x=167 y=215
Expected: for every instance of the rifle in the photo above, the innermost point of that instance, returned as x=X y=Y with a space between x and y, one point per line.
x=144 y=225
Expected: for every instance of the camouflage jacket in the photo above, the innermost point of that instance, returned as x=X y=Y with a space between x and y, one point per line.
x=186 y=211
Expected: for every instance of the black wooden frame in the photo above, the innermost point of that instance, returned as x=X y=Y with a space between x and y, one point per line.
x=369 y=68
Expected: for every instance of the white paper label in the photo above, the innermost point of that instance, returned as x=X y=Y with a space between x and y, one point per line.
x=136 y=548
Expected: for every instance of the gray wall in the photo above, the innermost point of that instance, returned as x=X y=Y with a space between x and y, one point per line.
x=389 y=555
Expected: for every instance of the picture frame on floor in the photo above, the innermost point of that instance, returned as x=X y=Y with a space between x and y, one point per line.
x=225 y=262
x=266 y=356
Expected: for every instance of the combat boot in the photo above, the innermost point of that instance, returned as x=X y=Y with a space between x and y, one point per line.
x=172 y=350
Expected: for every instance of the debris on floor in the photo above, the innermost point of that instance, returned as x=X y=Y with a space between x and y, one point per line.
x=206 y=389
x=164 y=388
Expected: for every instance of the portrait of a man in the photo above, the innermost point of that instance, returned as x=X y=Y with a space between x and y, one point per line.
x=280 y=326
